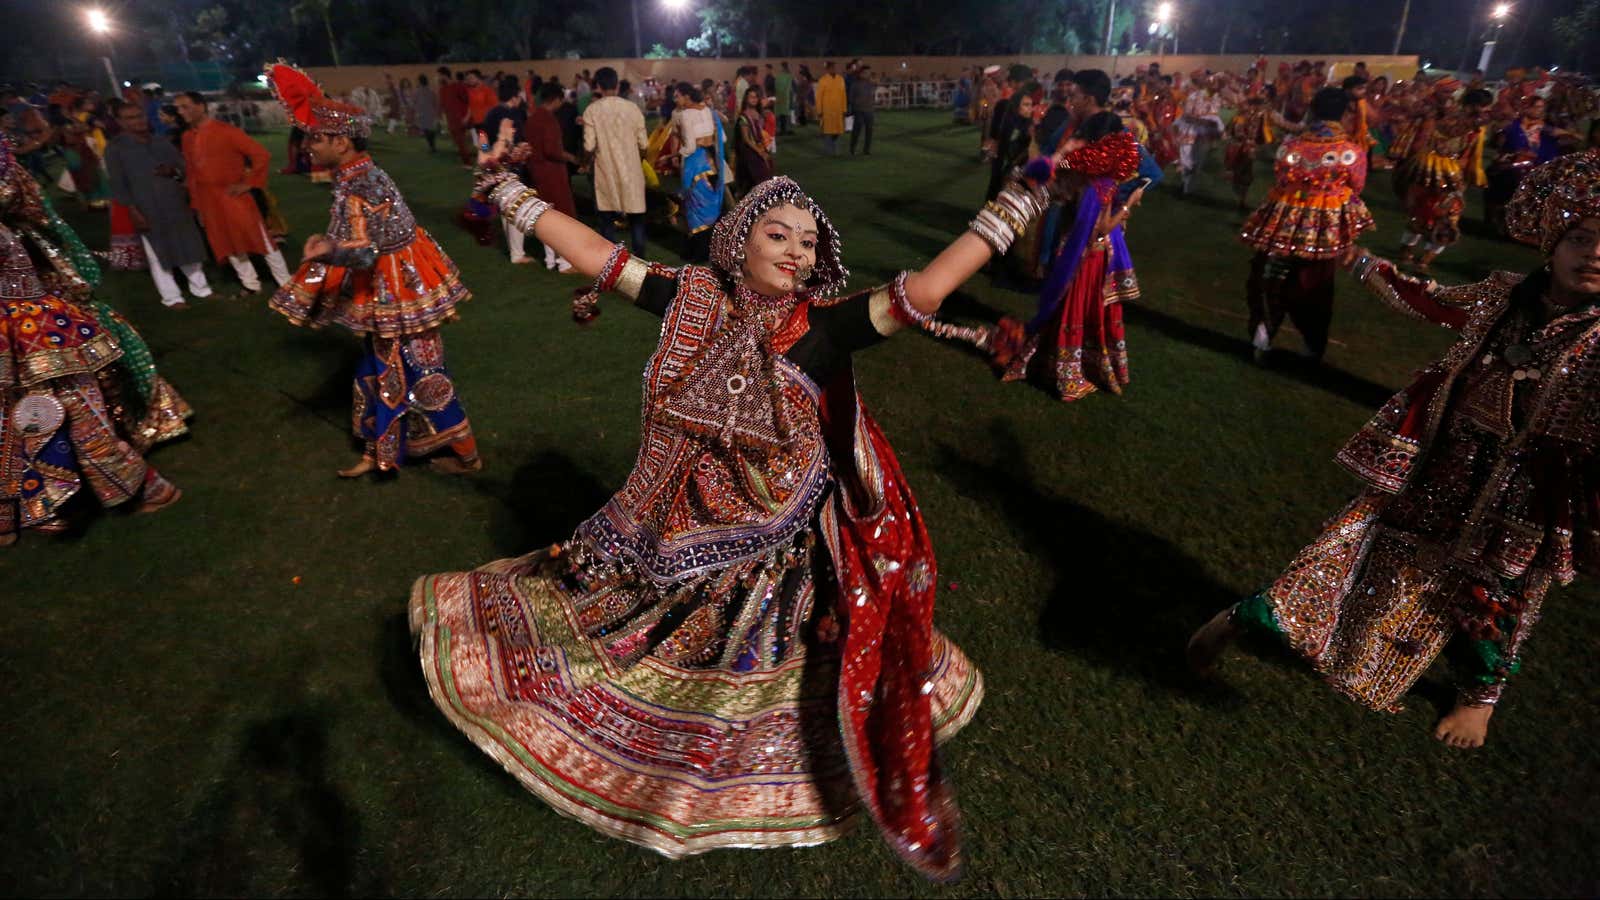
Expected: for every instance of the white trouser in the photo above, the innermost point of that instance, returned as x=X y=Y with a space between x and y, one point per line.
x=1193 y=155
x=167 y=286
x=515 y=240
x=246 y=270
x=553 y=260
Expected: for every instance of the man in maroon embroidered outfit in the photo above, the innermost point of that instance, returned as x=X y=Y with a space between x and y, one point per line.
x=1482 y=479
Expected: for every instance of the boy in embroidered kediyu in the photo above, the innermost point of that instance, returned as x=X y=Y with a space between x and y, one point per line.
x=381 y=275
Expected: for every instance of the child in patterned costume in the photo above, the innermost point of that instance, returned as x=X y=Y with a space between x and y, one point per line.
x=1482 y=482
x=381 y=275
x=1312 y=215
x=1442 y=155
x=738 y=649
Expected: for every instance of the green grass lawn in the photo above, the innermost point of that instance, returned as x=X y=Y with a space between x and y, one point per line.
x=222 y=699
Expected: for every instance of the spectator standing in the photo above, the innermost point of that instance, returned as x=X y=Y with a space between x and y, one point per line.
x=147 y=178
x=425 y=109
x=222 y=164
x=481 y=98
x=863 y=106
x=831 y=103
x=783 y=98
x=614 y=131
x=453 y=102
x=548 y=159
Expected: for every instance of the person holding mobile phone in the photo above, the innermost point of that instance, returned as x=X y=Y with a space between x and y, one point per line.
x=1075 y=343
x=1311 y=215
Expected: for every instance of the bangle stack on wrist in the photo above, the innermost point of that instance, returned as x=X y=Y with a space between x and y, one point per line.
x=1008 y=215
x=900 y=305
x=519 y=204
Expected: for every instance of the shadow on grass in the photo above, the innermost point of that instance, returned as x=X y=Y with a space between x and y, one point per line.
x=1123 y=599
x=543 y=502
x=277 y=797
x=336 y=355
x=1347 y=385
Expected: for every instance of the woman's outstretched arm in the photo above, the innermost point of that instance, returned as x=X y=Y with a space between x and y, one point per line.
x=520 y=205
x=999 y=223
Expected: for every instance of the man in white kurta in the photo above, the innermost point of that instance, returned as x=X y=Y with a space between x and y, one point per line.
x=614 y=132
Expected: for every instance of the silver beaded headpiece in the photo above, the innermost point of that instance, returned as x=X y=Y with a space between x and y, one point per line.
x=732 y=232
x=1554 y=197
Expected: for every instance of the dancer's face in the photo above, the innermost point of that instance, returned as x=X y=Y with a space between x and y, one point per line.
x=1575 y=264
x=781 y=252
x=326 y=150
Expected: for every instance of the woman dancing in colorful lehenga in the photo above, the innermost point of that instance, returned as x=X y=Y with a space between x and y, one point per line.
x=80 y=399
x=1075 y=342
x=738 y=649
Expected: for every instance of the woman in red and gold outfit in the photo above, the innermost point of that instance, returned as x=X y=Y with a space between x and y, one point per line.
x=80 y=399
x=738 y=649
x=1481 y=479
x=1075 y=342
x=1312 y=215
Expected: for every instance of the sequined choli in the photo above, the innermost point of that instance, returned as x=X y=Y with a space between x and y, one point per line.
x=1481 y=493
x=721 y=505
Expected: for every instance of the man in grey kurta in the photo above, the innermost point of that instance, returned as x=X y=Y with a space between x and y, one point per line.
x=864 y=106
x=147 y=177
x=425 y=104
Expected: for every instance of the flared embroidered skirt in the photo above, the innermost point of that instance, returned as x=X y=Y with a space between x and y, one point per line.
x=681 y=760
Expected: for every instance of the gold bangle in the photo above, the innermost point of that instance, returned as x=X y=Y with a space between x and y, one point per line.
x=1007 y=216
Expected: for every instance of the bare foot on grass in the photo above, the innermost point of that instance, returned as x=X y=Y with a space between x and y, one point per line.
x=1207 y=644
x=367 y=464
x=1464 y=727
x=149 y=505
x=452 y=465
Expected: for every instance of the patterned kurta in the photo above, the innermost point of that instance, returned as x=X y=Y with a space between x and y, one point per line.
x=613 y=130
x=396 y=291
x=1315 y=210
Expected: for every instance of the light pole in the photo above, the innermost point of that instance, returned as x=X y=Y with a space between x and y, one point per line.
x=1400 y=32
x=1111 y=18
x=1163 y=17
x=100 y=24
x=1501 y=11
x=638 y=53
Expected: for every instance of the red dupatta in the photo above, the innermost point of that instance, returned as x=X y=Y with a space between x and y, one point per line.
x=885 y=575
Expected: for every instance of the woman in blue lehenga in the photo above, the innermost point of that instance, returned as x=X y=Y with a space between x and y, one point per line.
x=704 y=174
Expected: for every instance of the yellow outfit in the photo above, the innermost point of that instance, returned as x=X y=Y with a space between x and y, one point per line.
x=831 y=103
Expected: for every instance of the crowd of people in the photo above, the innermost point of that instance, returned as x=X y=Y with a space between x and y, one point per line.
x=738 y=648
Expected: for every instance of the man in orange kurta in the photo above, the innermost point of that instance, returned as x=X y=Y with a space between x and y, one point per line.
x=480 y=99
x=223 y=165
